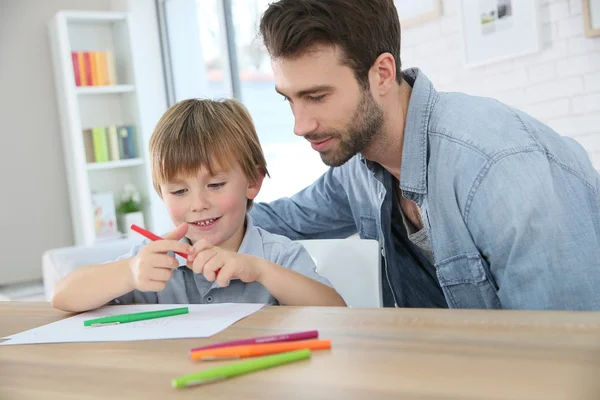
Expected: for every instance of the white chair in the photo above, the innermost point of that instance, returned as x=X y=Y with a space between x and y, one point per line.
x=57 y=263
x=353 y=266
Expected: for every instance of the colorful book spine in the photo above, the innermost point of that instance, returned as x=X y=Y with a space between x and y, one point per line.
x=76 y=69
x=124 y=148
x=113 y=143
x=87 y=64
x=94 y=67
x=101 y=67
x=81 y=63
x=100 y=144
x=132 y=140
x=110 y=69
x=88 y=144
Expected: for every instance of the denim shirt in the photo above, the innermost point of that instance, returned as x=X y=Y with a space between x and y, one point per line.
x=512 y=209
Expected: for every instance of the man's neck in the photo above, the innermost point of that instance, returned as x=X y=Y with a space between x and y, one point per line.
x=386 y=150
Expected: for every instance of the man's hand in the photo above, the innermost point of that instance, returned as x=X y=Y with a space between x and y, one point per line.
x=152 y=267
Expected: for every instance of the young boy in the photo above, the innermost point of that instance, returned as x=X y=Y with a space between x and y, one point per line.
x=207 y=166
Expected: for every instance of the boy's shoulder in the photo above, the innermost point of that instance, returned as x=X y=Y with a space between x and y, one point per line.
x=275 y=248
x=271 y=242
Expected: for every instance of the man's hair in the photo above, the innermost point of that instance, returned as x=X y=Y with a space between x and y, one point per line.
x=362 y=29
x=198 y=133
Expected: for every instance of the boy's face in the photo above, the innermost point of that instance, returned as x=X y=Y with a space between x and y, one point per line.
x=213 y=206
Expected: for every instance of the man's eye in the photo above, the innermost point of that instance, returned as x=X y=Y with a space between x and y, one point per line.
x=316 y=99
x=179 y=192
x=216 y=185
x=285 y=98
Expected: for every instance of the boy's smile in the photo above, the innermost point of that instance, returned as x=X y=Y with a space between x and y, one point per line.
x=204 y=224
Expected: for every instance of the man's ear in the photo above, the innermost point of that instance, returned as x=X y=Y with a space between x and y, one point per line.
x=254 y=187
x=383 y=73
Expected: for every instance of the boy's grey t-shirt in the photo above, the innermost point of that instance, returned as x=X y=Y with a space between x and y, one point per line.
x=187 y=287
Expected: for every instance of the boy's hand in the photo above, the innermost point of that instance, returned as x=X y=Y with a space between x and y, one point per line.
x=152 y=267
x=223 y=265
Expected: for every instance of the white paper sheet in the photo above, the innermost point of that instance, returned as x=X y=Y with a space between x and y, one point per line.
x=203 y=320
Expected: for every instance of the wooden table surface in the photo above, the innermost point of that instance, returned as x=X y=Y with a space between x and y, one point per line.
x=376 y=354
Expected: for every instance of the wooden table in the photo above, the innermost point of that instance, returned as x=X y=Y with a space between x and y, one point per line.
x=376 y=354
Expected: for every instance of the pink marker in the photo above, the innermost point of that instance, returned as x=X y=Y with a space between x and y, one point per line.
x=287 y=337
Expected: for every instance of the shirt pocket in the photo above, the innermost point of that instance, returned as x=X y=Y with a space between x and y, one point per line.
x=368 y=228
x=465 y=283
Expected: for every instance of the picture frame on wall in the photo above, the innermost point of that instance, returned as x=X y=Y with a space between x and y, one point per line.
x=496 y=30
x=413 y=13
x=591 y=17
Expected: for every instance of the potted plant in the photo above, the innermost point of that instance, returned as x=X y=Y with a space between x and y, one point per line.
x=129 y=209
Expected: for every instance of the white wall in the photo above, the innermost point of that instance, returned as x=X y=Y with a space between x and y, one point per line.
x=559 y=85
x=34 y=208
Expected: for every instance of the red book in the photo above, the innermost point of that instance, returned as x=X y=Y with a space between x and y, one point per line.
x=75 y=59
x=87 y=67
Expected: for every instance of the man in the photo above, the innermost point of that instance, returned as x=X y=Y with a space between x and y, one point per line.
x=475 y=204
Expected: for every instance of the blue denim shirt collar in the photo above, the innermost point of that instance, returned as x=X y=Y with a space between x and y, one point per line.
x=413 y=171
x=413 y=175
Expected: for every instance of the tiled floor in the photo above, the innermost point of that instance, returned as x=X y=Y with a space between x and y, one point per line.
x=29 y=291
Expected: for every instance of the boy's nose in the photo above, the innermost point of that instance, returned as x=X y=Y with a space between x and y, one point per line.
x=200 y=203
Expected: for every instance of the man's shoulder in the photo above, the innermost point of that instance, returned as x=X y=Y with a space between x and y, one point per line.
x=479 y=125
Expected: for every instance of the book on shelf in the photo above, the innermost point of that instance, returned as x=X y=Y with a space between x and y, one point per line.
x=127 y=141
x=88 y=144
x=109 y=143
x=93 y=68
x=113 y=142
x=100 y=144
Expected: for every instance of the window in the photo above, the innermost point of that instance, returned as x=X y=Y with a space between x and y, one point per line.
x=213 y=50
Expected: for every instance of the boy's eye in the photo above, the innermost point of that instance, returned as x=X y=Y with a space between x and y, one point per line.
x=216 y=185
x=178 y=192
x=285 y=98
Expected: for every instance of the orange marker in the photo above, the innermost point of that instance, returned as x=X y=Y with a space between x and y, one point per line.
x=259 y=349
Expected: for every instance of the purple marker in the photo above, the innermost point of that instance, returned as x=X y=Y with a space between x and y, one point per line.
x=286 y=337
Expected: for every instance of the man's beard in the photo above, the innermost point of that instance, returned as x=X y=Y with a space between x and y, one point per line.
x=366 y=125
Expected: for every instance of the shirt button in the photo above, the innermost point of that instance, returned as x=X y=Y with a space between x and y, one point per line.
x=383 y=252
x=380 y=195
x=209 y=299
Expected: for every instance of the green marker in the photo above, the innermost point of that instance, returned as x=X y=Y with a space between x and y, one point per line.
x=124 y=318
x=240 y=368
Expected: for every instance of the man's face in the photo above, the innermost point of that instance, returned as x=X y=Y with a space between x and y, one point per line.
x=330 y=108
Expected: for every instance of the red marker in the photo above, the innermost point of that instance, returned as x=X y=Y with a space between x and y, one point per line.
x=152 y=236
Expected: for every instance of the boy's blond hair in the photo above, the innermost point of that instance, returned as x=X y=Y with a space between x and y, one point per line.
x=198 y=133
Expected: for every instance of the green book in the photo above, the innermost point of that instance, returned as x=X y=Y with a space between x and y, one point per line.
x=100 y=144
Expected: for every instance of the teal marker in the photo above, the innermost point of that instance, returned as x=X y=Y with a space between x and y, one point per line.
x=240 y=368
x=124 y=318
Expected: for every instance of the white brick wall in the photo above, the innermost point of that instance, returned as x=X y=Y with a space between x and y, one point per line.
x=560 y=85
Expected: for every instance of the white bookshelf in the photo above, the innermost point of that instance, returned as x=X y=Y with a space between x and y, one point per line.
x=84 y=107
x=86 y=90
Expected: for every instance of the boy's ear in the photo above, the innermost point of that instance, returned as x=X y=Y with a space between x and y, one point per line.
x=254 y=187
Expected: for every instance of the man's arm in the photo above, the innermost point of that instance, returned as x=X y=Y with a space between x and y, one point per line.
x=319 y=211
x=536 y=222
